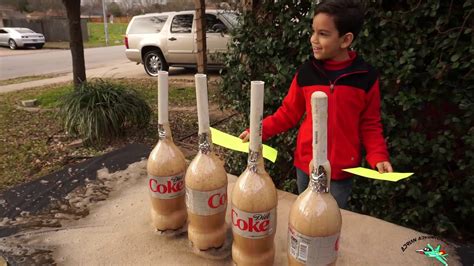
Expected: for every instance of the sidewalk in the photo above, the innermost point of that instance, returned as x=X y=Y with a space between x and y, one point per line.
x=125 y=70
x=122 y=70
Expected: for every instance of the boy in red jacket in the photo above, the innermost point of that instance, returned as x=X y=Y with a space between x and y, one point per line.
x=353 y=92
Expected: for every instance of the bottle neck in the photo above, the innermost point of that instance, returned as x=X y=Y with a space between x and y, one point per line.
x=164 y=132
x=205 y=143
x=319 y=180
x=255 y=161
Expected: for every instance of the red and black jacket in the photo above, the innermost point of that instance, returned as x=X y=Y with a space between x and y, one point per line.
x=353 y=93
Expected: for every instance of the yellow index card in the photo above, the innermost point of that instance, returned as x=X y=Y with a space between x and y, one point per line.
x=369 y=173
x=234 y=143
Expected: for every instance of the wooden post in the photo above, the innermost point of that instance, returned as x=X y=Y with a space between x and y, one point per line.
x=201 y=35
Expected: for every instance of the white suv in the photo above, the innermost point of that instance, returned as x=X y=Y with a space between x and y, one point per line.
x=160 y=40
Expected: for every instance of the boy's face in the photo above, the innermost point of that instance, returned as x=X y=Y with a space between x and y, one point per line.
x=325 y=40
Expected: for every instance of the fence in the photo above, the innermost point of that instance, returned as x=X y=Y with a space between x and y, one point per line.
x=115 y=19
x=54 y=29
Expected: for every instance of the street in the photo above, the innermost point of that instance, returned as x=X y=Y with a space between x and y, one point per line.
x=103 y=62
x=30 y=62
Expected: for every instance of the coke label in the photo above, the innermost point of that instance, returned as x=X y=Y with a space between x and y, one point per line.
x=253 y=225
x=206 y=202
x=312 y=250
x=166 y=187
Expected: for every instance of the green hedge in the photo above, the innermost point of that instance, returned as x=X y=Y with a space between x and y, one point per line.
x=424 y=52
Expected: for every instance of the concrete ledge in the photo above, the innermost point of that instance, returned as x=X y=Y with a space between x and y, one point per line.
x=29 y=103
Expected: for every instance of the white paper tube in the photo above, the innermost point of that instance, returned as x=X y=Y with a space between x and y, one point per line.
x=202 y=102
x=319 y=109
x=162 y=97
x=256 y=114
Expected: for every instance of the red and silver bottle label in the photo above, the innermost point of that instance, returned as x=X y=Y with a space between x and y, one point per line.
x=253 y=225
x=166 y=187
x=312 y=250
x=206 y=202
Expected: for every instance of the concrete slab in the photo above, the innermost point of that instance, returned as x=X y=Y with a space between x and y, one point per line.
x=118 y=231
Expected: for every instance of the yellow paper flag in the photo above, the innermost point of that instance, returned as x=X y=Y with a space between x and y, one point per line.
x=234 y=143
x=369 y=173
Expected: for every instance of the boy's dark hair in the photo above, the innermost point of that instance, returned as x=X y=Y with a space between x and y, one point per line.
x=348 y=14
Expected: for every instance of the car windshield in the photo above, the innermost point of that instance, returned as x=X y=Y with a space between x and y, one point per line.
x=24 y=31
x=230 y=17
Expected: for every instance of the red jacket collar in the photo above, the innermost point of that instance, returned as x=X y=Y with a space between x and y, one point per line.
x=338 y=65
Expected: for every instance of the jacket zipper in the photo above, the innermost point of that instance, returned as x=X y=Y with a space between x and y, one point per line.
x=332 y=84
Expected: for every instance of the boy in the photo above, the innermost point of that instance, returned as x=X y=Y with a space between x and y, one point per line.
x=353 y=93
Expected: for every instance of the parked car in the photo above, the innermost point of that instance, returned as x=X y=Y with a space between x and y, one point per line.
x=160 y=40
x=21 y=37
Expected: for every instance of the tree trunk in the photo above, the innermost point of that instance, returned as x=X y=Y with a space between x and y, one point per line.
x=201 y=35
x=73 y=9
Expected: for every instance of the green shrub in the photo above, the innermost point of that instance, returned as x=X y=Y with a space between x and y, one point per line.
x=100 y=110
x=274 y=44
x=424 y=52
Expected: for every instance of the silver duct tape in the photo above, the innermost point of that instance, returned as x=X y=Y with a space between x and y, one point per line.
x=319 y=180
x=161 y=132
x=253 y=161
x=204 y=143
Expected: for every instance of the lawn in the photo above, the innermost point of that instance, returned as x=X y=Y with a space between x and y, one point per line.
x=33 y=142
x=96 y=36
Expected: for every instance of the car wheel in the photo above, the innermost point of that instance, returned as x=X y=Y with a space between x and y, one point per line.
x=12 y=44
x=153 y=61
x=39 y=46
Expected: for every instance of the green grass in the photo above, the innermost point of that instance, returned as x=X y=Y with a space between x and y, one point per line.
x=97 y=36
x=50 y=98
x=182 y=96
x=179 y=94
x=47 y=96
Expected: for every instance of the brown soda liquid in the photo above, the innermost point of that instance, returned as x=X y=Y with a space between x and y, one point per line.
x=166 y=168
x=314 y=218
x=206 y=199
x=254 y=202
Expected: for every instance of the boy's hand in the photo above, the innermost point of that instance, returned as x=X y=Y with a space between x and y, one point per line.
x=244 y=136
x=384 y=167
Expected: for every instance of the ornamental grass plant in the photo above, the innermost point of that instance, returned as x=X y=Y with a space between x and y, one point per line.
x=99 y=111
